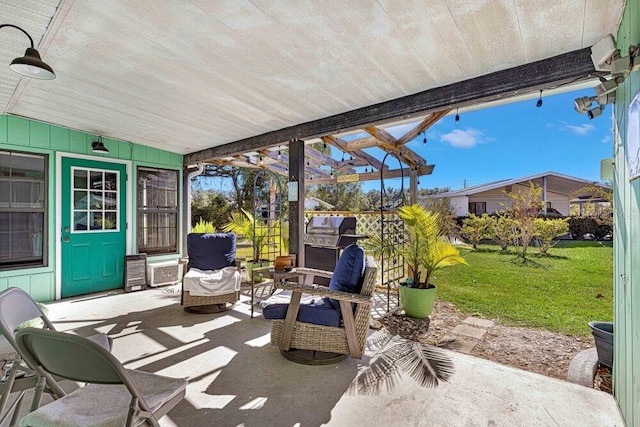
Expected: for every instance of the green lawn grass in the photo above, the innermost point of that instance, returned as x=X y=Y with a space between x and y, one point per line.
x=560 y=292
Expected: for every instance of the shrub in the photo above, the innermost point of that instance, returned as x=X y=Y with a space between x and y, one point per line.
x=203 y=227
x=548 y=229
x=504 y=230
x=476 y=228
x=579 y=226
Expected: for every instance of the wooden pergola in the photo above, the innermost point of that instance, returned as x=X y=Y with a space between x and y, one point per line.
x=320 y=168
x=426 y=107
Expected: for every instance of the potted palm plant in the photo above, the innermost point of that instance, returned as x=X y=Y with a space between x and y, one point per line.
x=244 y=224
x=425 y=250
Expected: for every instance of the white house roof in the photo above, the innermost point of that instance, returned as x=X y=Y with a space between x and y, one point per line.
x=556 y=182
x=190 y=75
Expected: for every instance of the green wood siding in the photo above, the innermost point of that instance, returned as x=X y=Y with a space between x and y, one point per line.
x=626 y=237
x=32 y=136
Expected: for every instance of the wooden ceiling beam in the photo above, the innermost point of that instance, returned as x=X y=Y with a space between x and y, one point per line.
x=425 y=124
x=373 y=176
x=389 y=144
x=342 y=145
x=566 y=68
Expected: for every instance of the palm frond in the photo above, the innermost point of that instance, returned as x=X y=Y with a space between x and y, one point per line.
x=426 y=365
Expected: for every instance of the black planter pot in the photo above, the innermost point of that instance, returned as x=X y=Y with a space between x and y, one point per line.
x=603 y=336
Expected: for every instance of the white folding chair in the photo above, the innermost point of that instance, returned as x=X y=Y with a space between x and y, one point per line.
x=112 y=395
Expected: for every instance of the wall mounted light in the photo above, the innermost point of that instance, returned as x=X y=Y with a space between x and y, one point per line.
x=595 y=112
x=30 y=65
x=98 y=146
x=582 y=105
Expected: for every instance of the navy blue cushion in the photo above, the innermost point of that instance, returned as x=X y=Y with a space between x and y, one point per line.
x=320 y=312
x=211 y=251
x=348 y=274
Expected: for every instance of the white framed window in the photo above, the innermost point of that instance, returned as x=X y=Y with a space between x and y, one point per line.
x=23 y=210
x=157 y=198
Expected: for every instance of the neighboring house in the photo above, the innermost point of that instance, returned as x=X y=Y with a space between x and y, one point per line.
x=315 y=204
x=557 y=194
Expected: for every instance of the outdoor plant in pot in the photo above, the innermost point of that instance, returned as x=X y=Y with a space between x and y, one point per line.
x=426 y=249
x=244 y=224
x=603 y=337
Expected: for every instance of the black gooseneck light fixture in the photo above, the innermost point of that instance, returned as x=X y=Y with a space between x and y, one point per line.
x=98 y=146
x=30 y=65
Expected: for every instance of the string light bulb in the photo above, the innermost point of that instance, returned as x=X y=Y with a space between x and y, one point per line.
x=279 y=154
x=457 y=116
x=424 y=138
x=539 y=103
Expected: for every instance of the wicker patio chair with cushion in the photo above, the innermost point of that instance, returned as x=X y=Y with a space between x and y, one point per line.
x=333 y=323
x=16 y=308
x=112 y=395
x=213 y=281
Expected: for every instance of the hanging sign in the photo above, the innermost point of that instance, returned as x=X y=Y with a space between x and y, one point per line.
x=292 y=186
x=354 y=177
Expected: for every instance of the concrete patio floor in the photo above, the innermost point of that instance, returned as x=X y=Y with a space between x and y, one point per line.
x=237 y=379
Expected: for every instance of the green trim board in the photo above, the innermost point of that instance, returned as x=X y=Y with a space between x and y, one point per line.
x=626 y=369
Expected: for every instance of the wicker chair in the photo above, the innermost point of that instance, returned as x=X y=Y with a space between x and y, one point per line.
x=318 y=344
x=209 y=254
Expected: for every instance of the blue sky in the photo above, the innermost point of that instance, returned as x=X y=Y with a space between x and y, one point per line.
x=512 y=141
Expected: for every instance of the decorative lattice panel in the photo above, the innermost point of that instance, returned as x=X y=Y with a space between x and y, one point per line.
x=368 y=223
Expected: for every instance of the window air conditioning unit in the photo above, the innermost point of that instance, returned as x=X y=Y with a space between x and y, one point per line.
x=164 y=273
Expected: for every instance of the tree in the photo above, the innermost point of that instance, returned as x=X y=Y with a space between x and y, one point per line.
x=210 y=206
x=346 y=196
x=548 y=229
x=525 y=207
x=442 y=206
x=476 y=228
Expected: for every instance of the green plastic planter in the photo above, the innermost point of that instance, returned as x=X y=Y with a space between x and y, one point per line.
x=417 y=302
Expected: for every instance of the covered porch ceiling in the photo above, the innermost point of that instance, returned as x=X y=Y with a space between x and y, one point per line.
x=216 y=80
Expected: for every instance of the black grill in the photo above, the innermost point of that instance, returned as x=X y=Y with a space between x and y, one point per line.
x=323 y=240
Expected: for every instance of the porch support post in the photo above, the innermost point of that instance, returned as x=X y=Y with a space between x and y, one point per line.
x=296 y=207
x=413 y=186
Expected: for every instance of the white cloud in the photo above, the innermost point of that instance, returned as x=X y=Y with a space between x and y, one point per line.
x=584 y=129
x=606 y=139
x=463 y=138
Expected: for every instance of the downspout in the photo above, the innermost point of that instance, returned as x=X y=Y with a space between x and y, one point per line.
x=190 y=176
x=186 y=227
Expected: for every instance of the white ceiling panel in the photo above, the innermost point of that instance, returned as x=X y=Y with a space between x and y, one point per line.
x=188 y=75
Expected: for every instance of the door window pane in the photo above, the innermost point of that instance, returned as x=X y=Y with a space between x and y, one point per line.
x=91 y=202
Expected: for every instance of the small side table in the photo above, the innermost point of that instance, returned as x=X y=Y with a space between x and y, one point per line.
x=269 y=273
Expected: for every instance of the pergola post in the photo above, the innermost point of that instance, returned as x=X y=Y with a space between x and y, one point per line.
x=296 y=200
x=413 y=186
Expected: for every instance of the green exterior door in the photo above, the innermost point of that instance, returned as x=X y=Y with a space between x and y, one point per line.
x=93 y=226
